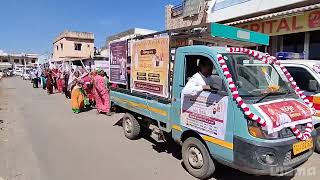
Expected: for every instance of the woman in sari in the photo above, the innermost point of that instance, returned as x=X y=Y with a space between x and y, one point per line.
x=88 y=87
x=43 y=81
x=101 y=94
x=77 y=96
x=49 y=82
x=60 y=82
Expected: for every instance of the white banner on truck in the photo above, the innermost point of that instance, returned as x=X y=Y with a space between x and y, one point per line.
x=205 y=113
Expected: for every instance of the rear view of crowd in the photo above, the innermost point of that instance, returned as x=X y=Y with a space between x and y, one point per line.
x=85 y=89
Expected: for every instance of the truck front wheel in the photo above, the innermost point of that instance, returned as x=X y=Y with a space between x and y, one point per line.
x=197 y=159
x=131 y=127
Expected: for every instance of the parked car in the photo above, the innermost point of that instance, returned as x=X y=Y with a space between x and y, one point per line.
x=26 y=74
x=307 y=75
x=1 y=74
x=10 y=72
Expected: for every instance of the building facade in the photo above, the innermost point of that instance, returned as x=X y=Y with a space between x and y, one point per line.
x=294 y=25
x=71 y=45
x=19 y=59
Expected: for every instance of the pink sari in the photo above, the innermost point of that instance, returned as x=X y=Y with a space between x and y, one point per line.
x=101 y=94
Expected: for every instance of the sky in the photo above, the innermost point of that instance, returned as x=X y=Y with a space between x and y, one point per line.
x=29 y=26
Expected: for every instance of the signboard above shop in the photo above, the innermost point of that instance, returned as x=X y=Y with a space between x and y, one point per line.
x=306 y=21
x=192 y=7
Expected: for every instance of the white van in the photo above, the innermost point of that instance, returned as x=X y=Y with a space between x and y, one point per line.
x=307 y=75
x=18 y=70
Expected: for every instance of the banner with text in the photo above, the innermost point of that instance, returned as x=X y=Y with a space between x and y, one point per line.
x=306 y=21
x=206 y=113
x=118 y=62
x=150 y=66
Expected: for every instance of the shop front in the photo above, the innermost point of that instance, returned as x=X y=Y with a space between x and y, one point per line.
x=295 y=31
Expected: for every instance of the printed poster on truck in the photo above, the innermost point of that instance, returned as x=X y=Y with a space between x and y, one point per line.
x=282 y=114
x=118 y=62
x=150 y=66
x=205 y=113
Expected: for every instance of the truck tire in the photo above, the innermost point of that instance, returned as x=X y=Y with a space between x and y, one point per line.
x=131 y=127
x=197 y=159
x=317 y=142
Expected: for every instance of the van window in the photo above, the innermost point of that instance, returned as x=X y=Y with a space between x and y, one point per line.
x=302 y=76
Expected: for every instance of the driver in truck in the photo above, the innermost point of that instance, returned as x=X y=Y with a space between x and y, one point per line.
x=203 y=80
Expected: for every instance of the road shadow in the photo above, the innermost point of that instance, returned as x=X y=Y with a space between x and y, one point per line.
x=160 y=147
x=225 y=173
x=222 y=172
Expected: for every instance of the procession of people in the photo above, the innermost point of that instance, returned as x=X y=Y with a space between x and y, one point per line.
x=86 y=90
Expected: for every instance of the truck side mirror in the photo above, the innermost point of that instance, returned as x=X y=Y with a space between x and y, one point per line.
x=313 y=86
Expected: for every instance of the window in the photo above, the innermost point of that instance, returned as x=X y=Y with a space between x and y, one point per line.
x=61 y=46
x=5 y=60
x=302 y=76
x=57 y=48
x=314 y=52
x=293 y=43
x=77 y=46
x=192 y=67
x=16 y=61
x=33 y=61
x=88 y=45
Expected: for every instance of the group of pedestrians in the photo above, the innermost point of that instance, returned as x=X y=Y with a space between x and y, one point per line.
x=85 y=89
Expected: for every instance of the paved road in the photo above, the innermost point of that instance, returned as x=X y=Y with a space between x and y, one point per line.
x=41 y=139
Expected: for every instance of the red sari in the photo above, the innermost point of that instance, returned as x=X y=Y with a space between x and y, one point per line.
x=101 y=94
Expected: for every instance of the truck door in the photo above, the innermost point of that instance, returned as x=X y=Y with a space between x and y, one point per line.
x=202 y=111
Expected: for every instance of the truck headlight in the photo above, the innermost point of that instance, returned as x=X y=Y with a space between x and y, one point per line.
x=256 y=131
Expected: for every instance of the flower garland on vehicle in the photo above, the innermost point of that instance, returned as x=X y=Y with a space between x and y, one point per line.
x=267 y=60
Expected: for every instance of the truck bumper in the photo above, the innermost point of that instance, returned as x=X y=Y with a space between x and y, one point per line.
x=250 y=157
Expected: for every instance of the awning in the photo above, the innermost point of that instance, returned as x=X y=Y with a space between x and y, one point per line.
x=278 y=14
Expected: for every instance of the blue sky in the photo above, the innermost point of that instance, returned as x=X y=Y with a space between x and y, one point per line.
x=31 y=25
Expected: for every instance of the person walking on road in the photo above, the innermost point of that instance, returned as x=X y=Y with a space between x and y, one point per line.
x=101 y=93
x=34 y=77
x=43 y=81
x=77 y=95
x=49 y=82
x=65 y=87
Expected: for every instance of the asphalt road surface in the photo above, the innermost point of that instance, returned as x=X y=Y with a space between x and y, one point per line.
x=41 y=139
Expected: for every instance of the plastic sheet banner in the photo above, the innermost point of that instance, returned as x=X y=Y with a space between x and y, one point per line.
x=150 y=66
x=118 y=62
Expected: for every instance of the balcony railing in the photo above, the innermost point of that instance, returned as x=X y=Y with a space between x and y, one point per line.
x=177 y=10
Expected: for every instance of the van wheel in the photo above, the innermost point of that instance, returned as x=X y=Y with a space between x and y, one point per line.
x=131 y=126
x=317 y=142
x=197 y=159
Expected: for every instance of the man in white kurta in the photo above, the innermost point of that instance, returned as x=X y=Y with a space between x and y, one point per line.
x=202 y=80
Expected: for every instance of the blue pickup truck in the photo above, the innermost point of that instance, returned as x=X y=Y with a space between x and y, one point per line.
x=211 y=126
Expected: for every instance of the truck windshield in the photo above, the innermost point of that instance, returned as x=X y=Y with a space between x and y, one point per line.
x=255 y=79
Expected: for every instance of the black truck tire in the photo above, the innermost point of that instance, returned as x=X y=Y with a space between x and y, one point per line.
x=317 y=142
x=131 y=127
x=197 y=159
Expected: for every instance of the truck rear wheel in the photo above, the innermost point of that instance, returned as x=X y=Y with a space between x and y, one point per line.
x=131 y=126
x=317 y=142
x=197 y=159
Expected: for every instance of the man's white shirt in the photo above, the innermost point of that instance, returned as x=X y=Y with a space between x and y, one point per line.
x=195 y=84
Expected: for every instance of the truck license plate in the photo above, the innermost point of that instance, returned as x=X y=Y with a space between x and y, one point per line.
x=302 y=146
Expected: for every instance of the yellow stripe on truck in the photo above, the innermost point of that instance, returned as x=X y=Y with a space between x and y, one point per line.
x=142 y=106
x=219 y=142
x=176 y=127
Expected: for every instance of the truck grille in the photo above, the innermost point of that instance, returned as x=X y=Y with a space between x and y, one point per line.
x=291 y=159
x=287 y=132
